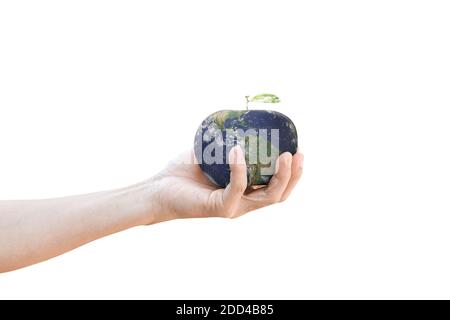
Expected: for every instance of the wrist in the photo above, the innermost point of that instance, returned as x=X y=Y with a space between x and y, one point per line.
x=147 y=199
x=135 y=203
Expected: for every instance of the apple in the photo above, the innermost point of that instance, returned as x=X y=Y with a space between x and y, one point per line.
x=262 y=134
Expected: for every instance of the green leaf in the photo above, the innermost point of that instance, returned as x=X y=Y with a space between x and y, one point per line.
x=265 y=98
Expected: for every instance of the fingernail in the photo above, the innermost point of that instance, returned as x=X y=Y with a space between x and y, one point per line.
x=239 y=155
x=232 y=156
x=288 y=160
x=236 y=155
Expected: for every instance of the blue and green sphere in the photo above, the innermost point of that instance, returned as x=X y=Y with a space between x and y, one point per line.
x=263 y=134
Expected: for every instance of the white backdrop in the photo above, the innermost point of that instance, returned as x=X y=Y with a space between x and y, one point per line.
x=101 y=94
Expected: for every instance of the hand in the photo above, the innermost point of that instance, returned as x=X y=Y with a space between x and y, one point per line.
x=36 y=230
x=182 y=191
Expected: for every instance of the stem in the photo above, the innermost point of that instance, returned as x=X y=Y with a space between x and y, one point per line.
x=246 y=98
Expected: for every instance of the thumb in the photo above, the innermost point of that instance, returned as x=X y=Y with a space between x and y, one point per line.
x=238 y=180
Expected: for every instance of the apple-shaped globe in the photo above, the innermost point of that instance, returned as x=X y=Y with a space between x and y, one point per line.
x=262 y=134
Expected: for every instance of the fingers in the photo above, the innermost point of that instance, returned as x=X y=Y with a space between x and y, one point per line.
x=273 y=193
x=233 y=193
x=296 y=173
x=288 y=173
x=280 y=180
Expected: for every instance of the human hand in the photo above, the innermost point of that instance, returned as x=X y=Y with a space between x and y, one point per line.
x=36 y=230
x=182 y=191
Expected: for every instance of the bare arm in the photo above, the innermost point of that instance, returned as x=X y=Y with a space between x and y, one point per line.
x=37 y=230
x=32 y=231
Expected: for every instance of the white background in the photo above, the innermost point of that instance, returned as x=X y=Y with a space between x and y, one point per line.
x=96 y=95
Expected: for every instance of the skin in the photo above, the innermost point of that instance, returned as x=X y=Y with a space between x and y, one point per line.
x=32 y=231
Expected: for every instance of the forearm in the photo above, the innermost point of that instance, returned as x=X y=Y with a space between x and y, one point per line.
x=36 y=230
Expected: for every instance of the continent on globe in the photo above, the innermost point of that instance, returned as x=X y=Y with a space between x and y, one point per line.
x=262 y=134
